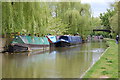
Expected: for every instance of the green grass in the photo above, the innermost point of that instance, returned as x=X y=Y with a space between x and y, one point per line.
x=107 y=66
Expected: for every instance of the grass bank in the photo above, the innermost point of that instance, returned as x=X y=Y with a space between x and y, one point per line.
x=107 y=65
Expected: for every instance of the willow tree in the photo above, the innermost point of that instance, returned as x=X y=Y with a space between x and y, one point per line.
x=24 y=17
x=7 y=21
x=72 y=19
x=6 y=18
x=37 y=17
x=56 y=26
x=75 y=15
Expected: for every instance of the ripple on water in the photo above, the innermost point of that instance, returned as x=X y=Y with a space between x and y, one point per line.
x=95 y=50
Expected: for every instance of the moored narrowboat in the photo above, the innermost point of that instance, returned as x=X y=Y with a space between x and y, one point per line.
x=28 y=43
x=64 y=41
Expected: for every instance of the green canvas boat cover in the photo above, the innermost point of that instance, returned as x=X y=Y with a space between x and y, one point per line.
x=31 y=40
x=17 y=39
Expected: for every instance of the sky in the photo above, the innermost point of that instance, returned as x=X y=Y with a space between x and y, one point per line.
x=98 y=6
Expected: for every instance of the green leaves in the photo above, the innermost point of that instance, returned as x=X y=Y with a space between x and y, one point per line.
x=56 y=26
x=46 y=17
x=114 y=19
x=110 y=19
x=105 y=18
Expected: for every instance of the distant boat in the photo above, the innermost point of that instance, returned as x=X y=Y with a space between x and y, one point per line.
x=28 y=43
x=64 y=41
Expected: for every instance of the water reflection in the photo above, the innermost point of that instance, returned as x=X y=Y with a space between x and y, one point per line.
x=69 y=62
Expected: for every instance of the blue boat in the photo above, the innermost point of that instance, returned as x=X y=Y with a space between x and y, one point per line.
x=64 y=41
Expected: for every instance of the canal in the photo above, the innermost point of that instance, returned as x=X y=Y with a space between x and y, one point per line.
x=70 y=62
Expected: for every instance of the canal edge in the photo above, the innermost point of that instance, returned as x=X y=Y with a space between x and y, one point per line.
x=94 y=63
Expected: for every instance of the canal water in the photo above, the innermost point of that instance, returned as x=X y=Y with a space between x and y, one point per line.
x=68 y=62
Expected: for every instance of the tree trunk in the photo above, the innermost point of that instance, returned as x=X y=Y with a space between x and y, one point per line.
x=7 y=41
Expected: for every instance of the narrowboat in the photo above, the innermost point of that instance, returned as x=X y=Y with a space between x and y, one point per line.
x=28 y=43
x=64 y=41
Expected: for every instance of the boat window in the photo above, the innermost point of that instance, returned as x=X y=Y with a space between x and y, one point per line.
x=64 y=37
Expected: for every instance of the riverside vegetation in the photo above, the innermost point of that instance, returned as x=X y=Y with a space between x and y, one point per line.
x=56 y=18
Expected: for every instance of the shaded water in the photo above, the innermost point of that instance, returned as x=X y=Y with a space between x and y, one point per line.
x=69 y=62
